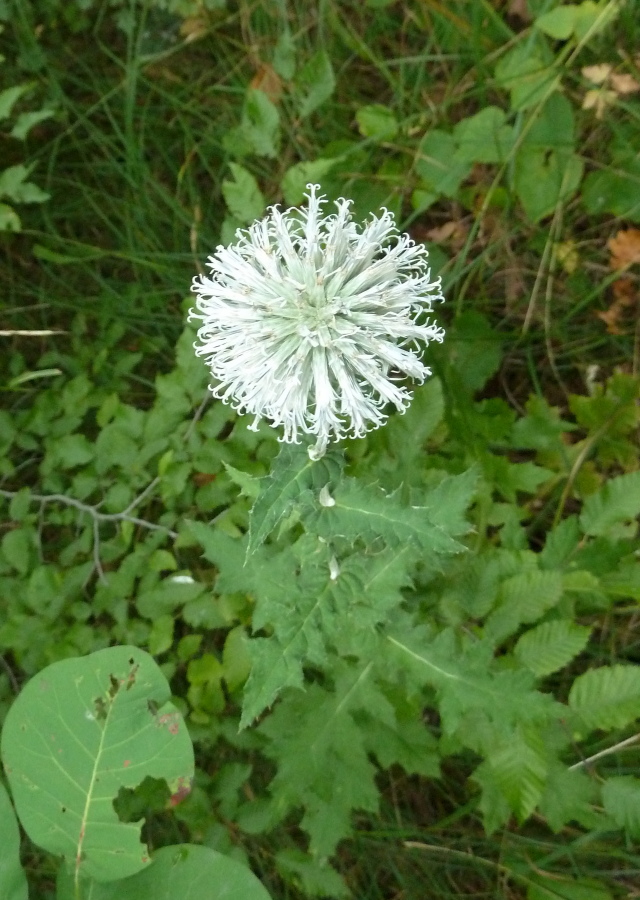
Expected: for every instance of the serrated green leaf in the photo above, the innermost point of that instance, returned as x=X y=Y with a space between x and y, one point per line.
x=292 y=474
x=607 y=697
x=465 y=682
x=273 y=668
x=79 y=731
x=616 y=502
x=249 y=484
x=524 y=598
x=13 y=881
x=243 y=196
x=323 y=763
x=519 y=766
x=621 y=799
x=315 y=83
x=365 y=512
x=317 y=877
x=187 y=871
x=568 y=796
x=261 y=124
x=551 y=645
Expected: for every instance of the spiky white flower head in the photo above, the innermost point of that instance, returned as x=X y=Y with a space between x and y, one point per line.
x=310 y=320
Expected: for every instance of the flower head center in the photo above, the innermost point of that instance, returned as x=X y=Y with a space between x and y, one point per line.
x=316 y=315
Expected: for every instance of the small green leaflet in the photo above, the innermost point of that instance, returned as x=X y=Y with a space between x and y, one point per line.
x=608 y=697
x=78 y=732
x=551 y=645
x=616 y=502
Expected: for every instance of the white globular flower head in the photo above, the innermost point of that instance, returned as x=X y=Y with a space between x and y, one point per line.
x=311 y=321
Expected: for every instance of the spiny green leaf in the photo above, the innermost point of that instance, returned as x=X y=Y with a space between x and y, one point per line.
x=78 y=732
x=608 y=697
x=551 y=645
x=365 y=512
x=322 y=761
x=293 y=474
x=465 y=682
x=616 y=502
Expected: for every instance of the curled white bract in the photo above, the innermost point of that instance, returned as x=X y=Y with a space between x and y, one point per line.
x=311 y=321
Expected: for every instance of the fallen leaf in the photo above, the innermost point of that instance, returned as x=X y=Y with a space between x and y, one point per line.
x=611 y=86
x=626 y=297
x=597 y=74
x=268 y=81
x=453 y=232
x=624 y=248
x=624 y=84
x=599 y=100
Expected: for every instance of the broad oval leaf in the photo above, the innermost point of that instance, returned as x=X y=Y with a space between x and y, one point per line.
x=187 y=871
x=78 y=732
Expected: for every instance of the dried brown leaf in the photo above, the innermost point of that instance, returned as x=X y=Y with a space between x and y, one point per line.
x=624 y=248
x=268 y=81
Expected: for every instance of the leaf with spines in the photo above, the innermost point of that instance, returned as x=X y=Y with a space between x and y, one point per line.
x=365 y=512
x=464 y=680
x=608 y=697
x=81 y=730
x=323 y=763
x=293 y=474
x=551 y=645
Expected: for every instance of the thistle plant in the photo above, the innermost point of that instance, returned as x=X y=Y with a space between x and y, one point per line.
x=310 y=321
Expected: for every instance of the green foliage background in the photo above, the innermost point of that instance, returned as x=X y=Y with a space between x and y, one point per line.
x=425 y=679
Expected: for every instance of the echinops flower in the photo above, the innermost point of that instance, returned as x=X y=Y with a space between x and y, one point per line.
x=310 y=321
